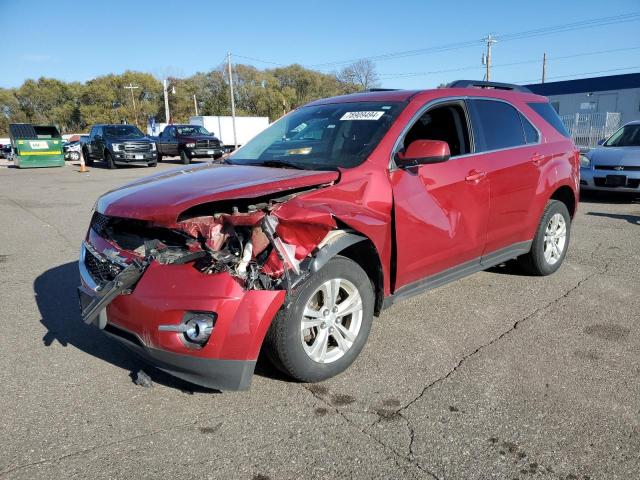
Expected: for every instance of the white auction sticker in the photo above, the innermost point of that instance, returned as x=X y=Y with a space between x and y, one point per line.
x=362 y=116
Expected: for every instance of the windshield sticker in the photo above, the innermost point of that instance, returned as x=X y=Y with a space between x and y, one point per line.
x=386 y=107
x=362 y=116
x=300 y=127
x=331 y=126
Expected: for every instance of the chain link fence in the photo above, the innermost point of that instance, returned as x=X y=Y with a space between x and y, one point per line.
x=588 y=128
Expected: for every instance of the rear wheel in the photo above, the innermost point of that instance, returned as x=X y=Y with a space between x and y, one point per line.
x=159 y=158
x=153 y=164
x=550 y=244
x=108 y=159
x=184 y=156
x=74 y=156
x=326 y=323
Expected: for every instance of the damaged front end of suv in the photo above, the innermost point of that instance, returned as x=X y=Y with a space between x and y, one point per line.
x=195 y=294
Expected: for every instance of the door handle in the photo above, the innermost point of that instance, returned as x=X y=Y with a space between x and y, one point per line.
x=474 y=176
x=537 y=158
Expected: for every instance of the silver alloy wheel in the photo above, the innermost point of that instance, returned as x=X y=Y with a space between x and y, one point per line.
x=331 y=320
x=555 y=238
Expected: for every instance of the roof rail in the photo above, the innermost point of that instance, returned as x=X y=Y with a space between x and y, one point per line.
x=382 y=90
x=483 y=84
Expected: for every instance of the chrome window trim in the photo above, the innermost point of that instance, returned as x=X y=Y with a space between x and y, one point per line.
x=431 y=103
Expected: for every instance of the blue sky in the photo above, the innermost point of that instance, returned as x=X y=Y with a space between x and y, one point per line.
x=81 y=40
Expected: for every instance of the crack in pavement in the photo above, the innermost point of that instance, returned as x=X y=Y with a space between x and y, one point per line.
x=399 y=412
x=91 y=449
x=396 y=455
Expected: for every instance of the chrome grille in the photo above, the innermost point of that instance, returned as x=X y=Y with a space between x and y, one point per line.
x=207 y=143
x=137 y=147
x=619 y=168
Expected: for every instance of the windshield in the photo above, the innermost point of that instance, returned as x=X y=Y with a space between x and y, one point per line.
x=627 y=136
x=192 y=130
x=324 y=136
x=123 y=131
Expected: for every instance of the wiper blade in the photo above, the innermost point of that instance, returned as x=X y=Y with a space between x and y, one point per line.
x=279 y=163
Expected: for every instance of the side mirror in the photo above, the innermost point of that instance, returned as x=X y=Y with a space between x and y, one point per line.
x=601 y=141
x=421 y=152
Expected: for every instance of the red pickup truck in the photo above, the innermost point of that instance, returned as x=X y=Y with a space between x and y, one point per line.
x=329 y=216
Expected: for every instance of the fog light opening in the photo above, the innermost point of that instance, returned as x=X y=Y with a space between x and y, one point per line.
x=198 y=329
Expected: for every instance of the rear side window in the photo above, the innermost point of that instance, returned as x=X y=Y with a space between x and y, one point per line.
x=530 y=133
x=550 y=116
x=496 y=125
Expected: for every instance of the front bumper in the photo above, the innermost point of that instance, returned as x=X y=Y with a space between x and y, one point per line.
x=140 y=157
x=162 y=296
x=609 y=180
x=202 y=152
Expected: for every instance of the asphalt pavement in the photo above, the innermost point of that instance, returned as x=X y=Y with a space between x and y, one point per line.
x=499 y=375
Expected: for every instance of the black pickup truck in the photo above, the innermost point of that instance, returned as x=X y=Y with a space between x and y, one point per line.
x=119 y=145
x=188 y=141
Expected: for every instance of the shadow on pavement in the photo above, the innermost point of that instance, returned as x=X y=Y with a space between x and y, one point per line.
x=632 y=219
x=595 y=196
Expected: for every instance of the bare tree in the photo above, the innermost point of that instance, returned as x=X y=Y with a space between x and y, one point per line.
x=361 y=73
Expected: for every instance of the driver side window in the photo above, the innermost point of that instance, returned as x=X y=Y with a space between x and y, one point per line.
x=447 y=123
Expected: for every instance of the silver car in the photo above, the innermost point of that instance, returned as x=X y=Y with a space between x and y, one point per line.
x=615 y=164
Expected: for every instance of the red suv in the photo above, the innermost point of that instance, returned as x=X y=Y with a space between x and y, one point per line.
x=327 y=217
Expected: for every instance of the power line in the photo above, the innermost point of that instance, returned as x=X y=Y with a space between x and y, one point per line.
x=390 y=76
x=594 y=22
x=580 y=74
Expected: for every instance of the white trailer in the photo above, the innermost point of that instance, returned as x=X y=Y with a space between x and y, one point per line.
x=222 y=127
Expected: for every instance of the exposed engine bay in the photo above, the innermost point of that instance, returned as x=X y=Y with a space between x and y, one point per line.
x=244 y=237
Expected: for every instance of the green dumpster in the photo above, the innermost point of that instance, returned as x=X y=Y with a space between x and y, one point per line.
x=36 y=145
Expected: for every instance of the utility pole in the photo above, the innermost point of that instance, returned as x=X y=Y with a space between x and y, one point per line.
x=490 y=41
x=167 y=116
x=132 y=87
x=233 y=102
x=195 y=103
x=544 y=67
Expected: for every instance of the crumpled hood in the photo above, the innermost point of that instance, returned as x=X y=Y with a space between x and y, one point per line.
x=161 y=198
x=627 y=156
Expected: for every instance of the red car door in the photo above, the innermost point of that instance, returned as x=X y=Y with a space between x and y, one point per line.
x=510 y=146
x=440 y=210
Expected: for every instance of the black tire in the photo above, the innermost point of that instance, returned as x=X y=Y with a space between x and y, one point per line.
x=184 y=156
x=108 y=159
x=88 y=161
x=153 y=164
x=283 y=343
x=159 y=158
x=535 y=262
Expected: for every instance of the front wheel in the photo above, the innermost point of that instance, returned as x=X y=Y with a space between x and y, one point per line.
x=551 y=242
x=326 y=324
x=108 y=159
x=88 y=161
x=185 y=157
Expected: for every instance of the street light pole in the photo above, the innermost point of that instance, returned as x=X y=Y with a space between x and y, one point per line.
x=131 y=88
x=167 y=116
x=233 y=102
x=195 y=103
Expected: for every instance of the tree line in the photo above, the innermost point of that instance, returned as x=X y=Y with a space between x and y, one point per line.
x=74 y=106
